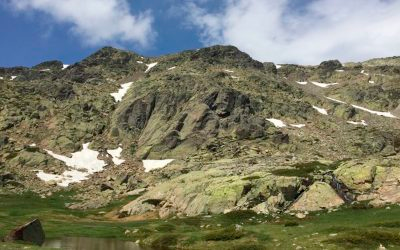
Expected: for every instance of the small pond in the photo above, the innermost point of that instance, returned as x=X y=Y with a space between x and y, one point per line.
x=83 y=243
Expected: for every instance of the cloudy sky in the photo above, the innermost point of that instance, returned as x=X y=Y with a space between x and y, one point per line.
x=282 y=31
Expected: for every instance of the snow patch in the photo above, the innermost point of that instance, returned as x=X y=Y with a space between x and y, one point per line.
x=44 y=70
x=340 y=70
x=363 y=72
x=32 y=145
x=155 y=164
x=116 y=156
x=321 y=110
x=371 y=81
x=298 y=125
x=83 y=163
x=1 y=78
x=277 y=123
x=385 y=114
x=84 y=159
x=335 y=100
x=229 y=71
x=13 y=77
x=324 y=85
x=63 y=180
x=122 y=91
x=172 y=68
x=150 y=66
x=301 y=83
x=364 y=123
x=234 y=77
x=140 y=62
x=278 y=66
x=65 y=66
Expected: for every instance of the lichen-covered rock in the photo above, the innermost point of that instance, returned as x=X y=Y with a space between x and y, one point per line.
x=357 y=177
x=319 y=196
x=213 y=192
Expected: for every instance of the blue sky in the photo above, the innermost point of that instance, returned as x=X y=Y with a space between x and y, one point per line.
x=282 y=31
x=31 y=38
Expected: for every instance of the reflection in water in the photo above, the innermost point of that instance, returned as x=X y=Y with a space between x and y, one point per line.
x=82 y=243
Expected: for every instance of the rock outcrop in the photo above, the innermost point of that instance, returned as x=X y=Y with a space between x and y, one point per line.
x=319 y=196
x=31 y=232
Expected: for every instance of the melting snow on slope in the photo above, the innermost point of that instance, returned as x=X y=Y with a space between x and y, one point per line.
x=122 y=91
x=301 y=83
x=13 y=77
x=321 y=110
x=83 y=163
x=66 y=178
x=364 y=123
x=298 y=125
x=371 y=81
x=140 y=62
x=65 y=66
x=116 y=156
x=172 y=68
x=278 y=66
x=234 y=77
x=229 y=71
x=155 y=164
x=324 y=85
x=150 y=66
x=386 y=114
x=335 y=100
x=277 y=123
x=84 y=159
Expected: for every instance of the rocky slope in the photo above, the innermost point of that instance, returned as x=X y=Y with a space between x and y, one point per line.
x=242 y=134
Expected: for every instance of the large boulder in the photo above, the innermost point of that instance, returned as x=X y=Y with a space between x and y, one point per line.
x=356 y=176
x=319 y=196
x=31 y=232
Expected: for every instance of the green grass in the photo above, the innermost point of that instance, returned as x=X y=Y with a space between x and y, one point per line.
x=349 y=227
x=305 y=169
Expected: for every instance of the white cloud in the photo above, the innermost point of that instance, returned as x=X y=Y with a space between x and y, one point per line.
x=96 y=22
x=322 y=29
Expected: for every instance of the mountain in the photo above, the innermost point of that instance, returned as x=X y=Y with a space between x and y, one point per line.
x=202 y=131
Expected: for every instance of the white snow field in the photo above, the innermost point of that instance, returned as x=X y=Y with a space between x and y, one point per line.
x=385 y=114
x=82 y=164
x=150 y=66
x=298 y=125
x=362 y=122
x=335 y=100
x=65 y=66
x=321 y=110
x=277 y=123
x=301 y=83
x=122 y=91
x=116 y=155
x=324 y=85
x=155 y=164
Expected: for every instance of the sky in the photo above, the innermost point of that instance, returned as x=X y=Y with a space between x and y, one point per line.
x=281 y=31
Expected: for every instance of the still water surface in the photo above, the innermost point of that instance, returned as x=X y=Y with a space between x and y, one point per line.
x=83 y=243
